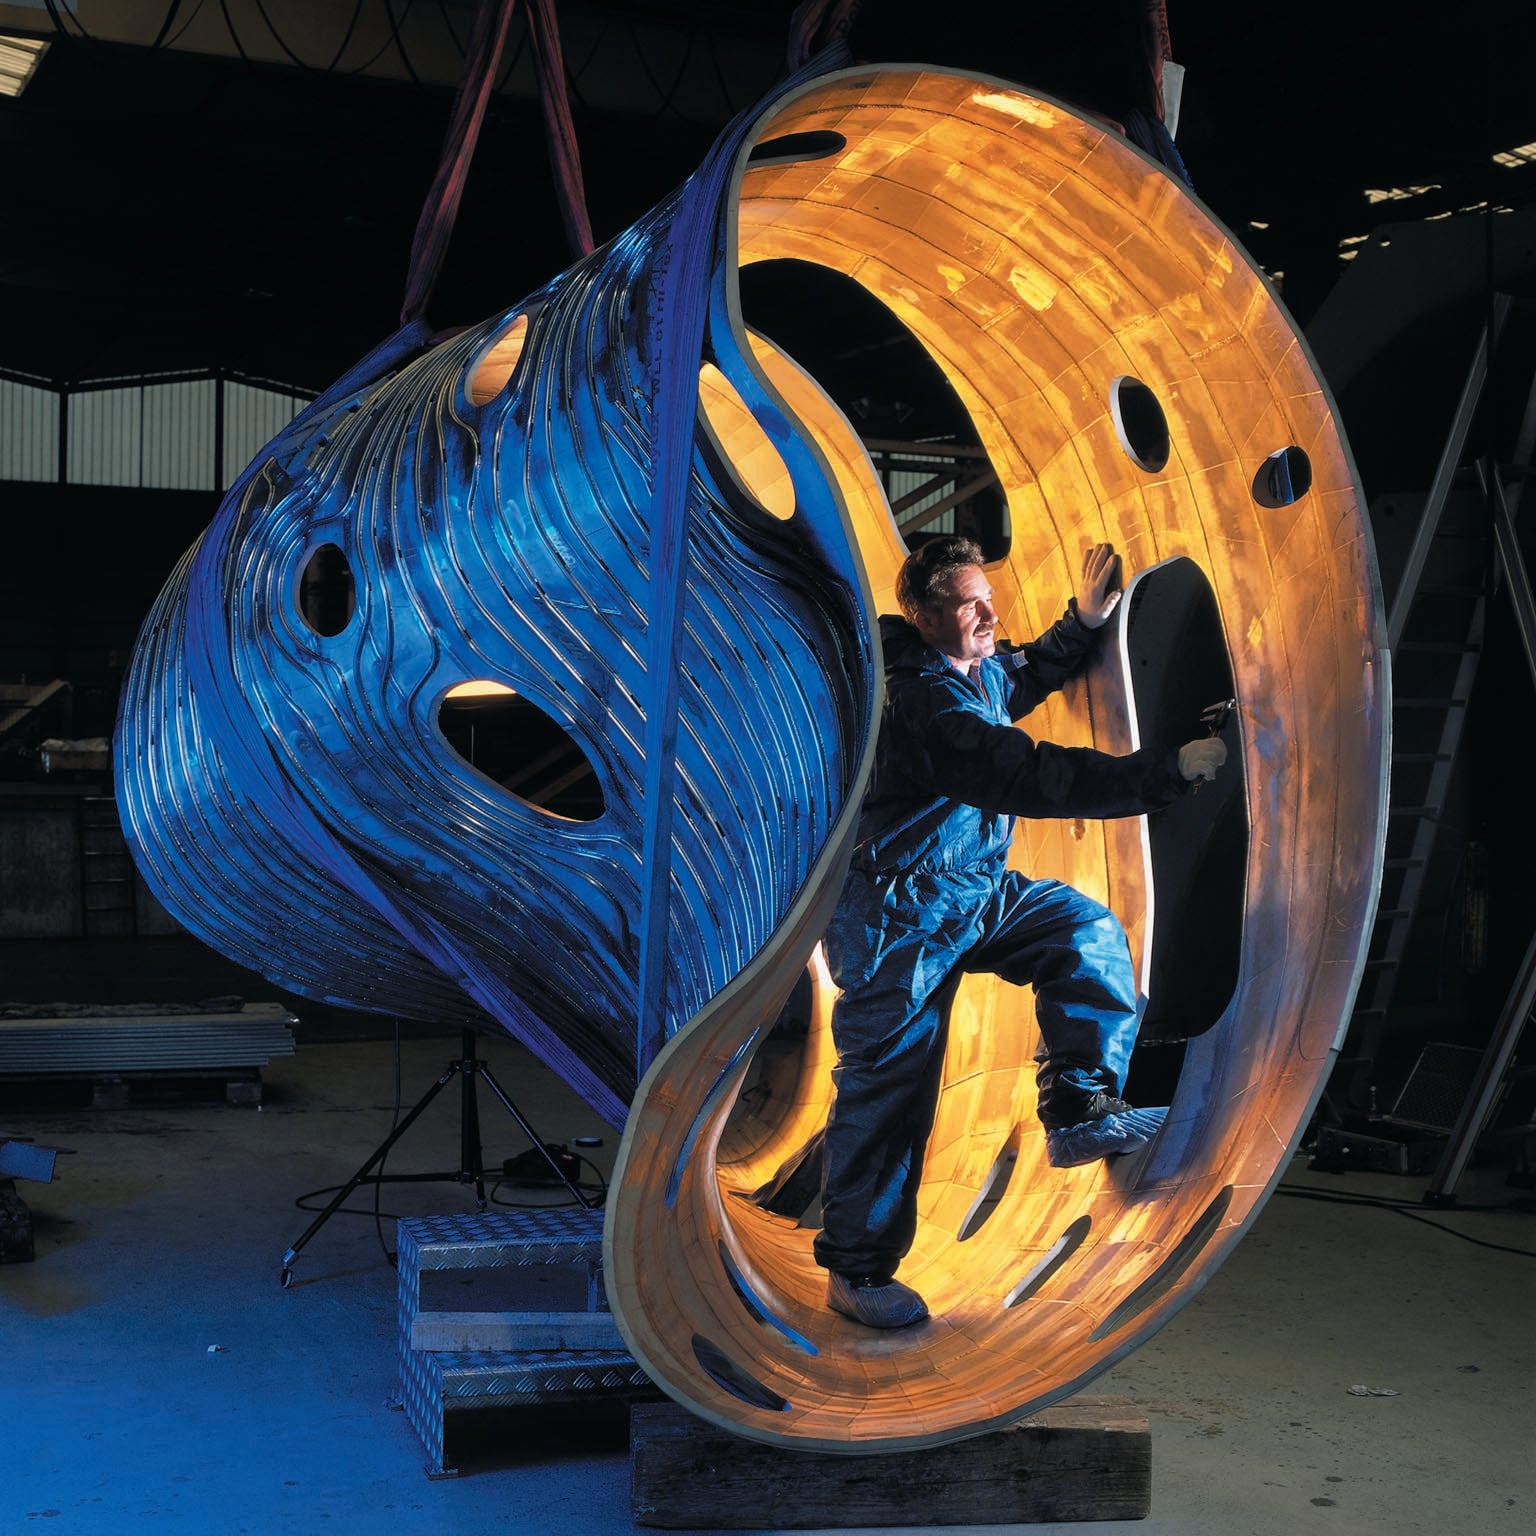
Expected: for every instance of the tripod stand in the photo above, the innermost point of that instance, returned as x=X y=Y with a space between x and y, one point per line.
x=468 y=1068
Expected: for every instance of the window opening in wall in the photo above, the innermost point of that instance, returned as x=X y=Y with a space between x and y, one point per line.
x=190 y=432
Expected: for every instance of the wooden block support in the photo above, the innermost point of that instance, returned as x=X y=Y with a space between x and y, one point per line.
x=118 y=1090
x=1086 y=1459
x=515 y=1330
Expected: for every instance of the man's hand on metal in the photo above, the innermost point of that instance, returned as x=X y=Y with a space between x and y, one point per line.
x=1200 y=759
x=1099 y=587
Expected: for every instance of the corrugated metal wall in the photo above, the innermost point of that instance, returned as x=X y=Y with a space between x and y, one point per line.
x=160 y=434
x=900 y=483
x=29 y=431
x=253 y=416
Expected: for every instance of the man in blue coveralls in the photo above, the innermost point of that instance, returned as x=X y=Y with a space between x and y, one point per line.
x=929 y=897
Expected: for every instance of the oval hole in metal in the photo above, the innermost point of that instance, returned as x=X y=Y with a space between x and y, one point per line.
x=327 y=591
x=1179 y=664
x=892 y=390
x=1168 y=1273
x=755 y=1305
x=750 y=457
x=528 y=753
x=1140 y=423
x=773 y=1106
x=706 y=1109
x=1283 y=478
x=816 y=144
x=494 y=371
x=730 y=1377
x=1057 y=1255
x=992 y=1189
x=773 y=1084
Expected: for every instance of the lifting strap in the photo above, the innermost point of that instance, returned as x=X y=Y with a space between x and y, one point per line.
x=487 y=47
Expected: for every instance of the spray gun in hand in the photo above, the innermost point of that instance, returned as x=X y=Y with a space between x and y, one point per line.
x=1199 y=759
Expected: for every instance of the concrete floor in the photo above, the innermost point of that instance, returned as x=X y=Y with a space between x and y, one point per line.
x=155 y=1376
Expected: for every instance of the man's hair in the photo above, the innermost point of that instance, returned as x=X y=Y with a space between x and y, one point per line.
x=926 y=573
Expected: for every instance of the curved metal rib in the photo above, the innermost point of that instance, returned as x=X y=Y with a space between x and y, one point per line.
x=1042 y=262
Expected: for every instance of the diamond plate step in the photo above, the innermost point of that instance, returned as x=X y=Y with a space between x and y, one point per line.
x=435 y=1384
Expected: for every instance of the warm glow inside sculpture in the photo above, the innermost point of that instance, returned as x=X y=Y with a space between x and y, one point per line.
x=501 y=503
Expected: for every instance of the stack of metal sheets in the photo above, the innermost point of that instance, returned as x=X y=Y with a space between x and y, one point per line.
x=108 y=1040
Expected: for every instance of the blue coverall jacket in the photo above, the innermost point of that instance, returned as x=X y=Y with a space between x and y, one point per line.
x=929 y=897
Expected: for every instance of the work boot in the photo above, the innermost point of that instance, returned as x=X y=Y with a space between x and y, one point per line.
x=1109 y=1128
x=874 y=1301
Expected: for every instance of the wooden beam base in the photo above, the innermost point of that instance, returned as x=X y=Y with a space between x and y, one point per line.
x=1086 y=1459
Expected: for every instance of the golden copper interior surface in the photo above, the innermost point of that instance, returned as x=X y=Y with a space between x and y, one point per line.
x=1040 y=260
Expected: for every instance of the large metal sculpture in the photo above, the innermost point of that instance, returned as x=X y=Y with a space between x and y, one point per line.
x=654 y=525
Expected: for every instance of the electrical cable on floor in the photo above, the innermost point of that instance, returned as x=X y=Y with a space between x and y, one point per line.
x=589 y=1195
x=377 y=1212
x=1382 y=1203
x=342 y=1210
x=597 y=1193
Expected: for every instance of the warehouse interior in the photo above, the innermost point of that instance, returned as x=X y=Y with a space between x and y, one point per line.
x=214 y=206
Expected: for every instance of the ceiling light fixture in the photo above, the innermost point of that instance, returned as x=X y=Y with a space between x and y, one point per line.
x=19 y=58
x=1521 y=154
x=1398 y=194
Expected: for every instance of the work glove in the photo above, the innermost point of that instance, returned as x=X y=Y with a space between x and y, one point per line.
x=1200 y=759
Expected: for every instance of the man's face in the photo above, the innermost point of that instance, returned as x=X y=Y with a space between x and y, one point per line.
x=962 y=623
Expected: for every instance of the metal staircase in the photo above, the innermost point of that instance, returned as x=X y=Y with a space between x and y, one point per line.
x=1464 y=551
x=1435 y=628
x=1434 y=668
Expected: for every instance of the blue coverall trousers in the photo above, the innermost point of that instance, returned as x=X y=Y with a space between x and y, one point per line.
x=897 y=949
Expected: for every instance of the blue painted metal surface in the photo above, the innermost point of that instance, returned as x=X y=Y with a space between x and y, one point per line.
x=290 y=796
